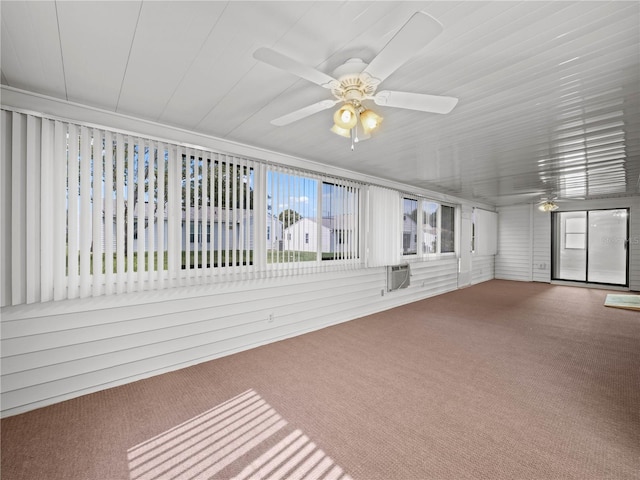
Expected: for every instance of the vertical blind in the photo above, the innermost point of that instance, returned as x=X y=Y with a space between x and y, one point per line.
x=93 y=212
x=311 y=221
x=385 y=225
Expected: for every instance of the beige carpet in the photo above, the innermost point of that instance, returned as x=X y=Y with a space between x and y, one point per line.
x=502 y=380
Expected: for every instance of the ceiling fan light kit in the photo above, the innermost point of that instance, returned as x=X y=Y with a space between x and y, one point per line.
x=355 y=82
x=346 y=120
x=548 y=206
x=370 y=121
x=345 y=117
x=343 y=132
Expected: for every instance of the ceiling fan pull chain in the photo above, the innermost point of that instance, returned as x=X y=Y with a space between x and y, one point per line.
x=354 y=134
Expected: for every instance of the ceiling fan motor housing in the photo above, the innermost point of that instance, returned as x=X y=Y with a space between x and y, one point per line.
x=352 y=86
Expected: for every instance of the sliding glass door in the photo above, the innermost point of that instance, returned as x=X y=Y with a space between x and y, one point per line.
x=591 y=246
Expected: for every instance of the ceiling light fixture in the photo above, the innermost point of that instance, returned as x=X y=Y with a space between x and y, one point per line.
x=548 y=206
x=345 y=117
x=343 y=132
x=370 y=121
x=346 y=121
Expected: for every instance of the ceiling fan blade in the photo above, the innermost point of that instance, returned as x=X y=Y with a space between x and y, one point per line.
x=303 y=112
x=419 y=30
x=415 y=101
x=278 y=60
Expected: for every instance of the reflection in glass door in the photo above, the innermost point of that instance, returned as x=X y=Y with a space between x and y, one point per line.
x=570 y=246
x=591 y=246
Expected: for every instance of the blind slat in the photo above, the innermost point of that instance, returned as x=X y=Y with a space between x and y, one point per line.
x=187 y=214
x=174 y=207
x=151 y=218
x=85 y=229
x=204 y=188
x=218 y=229
x=32 y=209
x=121 y=219
x=211 y=213
x=108 y=213
x=162 y=163
x=197 y=224
x=73 y=212
x=18 y=227
x=140 y=212
x=130 y=212
x=97 y=209
x=47 y=209
x=60 y=211
x=227 y=255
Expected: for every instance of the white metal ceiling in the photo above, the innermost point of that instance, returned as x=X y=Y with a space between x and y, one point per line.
x=549 y=91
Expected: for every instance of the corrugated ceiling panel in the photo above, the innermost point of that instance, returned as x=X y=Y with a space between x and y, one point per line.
x=31 y=56
x=96 y=40
x=169 y=38
x=544 y=87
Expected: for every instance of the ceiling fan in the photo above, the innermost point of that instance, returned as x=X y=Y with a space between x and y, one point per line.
x=356 y=82
x=551 y=203
x=548 y=204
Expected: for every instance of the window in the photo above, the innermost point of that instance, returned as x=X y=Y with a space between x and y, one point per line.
x=447 y=229
x=430 y=219
x=129 y=213
x=409 y=226
x=319 y=219
x=217 y=197
x=437 y=228
x=292 y=201
x=340 y=221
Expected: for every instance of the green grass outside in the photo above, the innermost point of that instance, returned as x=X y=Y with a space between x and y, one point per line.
x=241 y=258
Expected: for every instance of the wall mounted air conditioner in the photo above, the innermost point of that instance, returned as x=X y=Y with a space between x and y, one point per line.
x=398 y=277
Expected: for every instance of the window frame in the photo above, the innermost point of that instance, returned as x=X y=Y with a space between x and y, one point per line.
x=412 y=234
x=423 y=213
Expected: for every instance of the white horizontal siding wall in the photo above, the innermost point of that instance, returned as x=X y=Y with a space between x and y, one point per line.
x=483 y=268
x=428 y=278
x=513 y=260
x=58 y=350
x=541 y=246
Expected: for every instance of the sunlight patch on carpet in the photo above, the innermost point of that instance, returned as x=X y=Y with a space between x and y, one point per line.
x=218 y=438
x=631 y=302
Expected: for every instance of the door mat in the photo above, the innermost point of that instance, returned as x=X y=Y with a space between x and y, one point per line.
x=630 y=302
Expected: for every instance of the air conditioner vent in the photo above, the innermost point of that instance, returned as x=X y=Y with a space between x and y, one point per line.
x=398 y=277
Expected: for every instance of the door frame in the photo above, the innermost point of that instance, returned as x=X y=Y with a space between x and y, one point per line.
x=586 y=281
